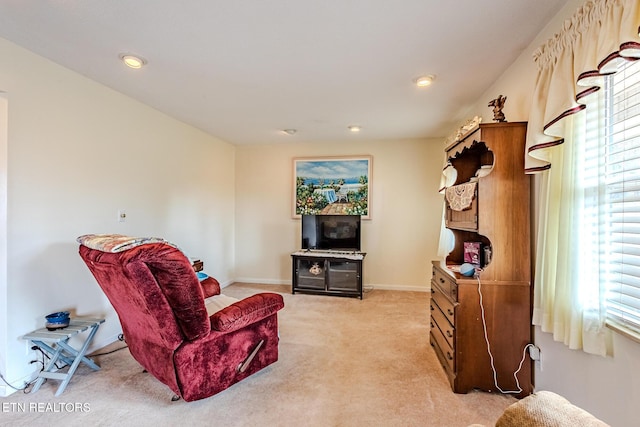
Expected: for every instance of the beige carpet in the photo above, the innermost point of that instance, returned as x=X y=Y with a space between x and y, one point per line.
x=343 y=362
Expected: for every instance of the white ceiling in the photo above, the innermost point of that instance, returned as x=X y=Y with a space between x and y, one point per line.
x=242 y=70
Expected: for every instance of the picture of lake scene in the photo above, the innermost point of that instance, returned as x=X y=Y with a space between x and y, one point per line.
x=332 y=186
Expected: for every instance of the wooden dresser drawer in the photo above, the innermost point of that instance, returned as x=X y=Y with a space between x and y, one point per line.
x=442 y=347
x=442 y=323
x=446 y=306
x=446 y=283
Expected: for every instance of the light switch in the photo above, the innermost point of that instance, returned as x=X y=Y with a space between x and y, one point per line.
x=122 y=215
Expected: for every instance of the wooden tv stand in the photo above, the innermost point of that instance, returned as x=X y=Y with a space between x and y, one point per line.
x=336 y=273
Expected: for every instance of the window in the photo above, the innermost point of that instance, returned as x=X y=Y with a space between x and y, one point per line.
x=612 y=197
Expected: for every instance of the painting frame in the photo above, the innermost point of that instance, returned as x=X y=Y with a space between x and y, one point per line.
x=332 y=185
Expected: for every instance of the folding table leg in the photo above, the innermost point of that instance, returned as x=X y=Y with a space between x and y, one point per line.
x=50 y=366
x=79 y=357
x=50 y=350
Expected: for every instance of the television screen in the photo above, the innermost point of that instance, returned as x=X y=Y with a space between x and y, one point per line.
x=327 y=232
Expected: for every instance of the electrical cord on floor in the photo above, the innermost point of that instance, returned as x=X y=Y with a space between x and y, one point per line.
x=23 y=389
x=107 y=352
x=120 y=338
x=27 y=386
x=486 y=338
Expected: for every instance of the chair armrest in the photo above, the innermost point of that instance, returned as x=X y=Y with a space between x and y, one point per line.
x=210 y=287
x=246 y=312
x=545 y=408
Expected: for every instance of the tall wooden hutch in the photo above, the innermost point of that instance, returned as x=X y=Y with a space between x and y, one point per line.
x=492 y=209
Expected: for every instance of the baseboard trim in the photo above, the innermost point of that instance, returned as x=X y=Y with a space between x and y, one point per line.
x=103 y=343
x=6 y=390
x=411 y=288
x=259 y=281
x=383 y=287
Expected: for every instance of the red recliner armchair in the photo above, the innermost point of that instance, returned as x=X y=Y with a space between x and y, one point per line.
x=161 y=306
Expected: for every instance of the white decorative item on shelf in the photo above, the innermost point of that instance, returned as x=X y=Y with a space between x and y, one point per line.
x=484 y=171
x=470 y=126
x=315 y=269
x=450 y=175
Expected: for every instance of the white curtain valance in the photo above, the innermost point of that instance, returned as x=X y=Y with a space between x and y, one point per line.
x=571 y=65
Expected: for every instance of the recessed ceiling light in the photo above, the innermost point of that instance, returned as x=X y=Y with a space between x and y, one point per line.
x=133 y=61
x=424 y=81
x=355 y=129
x=289 y=131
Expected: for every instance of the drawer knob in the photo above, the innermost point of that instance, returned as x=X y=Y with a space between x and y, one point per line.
x=441 y=280
x=449 y=356
x=449 y=334
x=432 y=325
x=450 y=312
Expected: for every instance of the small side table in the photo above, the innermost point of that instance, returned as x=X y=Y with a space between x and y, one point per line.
x=55 y=343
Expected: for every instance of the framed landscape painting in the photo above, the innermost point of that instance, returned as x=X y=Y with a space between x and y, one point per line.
x=332 y=186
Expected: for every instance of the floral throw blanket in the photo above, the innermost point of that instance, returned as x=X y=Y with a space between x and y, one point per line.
x=117 y=242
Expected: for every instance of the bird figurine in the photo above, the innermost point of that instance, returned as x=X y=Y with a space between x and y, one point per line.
x=498 y=105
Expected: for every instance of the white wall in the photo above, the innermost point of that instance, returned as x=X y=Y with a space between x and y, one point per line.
x=400 y=238
x=77 y=153
x=607 y=387
x=3 y=231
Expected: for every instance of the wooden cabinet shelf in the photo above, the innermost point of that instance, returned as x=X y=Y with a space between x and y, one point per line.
x=498 y=217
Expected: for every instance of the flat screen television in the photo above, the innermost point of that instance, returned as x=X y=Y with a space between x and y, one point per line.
x=331 y=232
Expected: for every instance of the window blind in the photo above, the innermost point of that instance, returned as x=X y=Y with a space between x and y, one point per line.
x=619 y=188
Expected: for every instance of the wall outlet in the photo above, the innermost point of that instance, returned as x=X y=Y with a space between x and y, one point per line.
x=32 y=353
x=534 y=353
